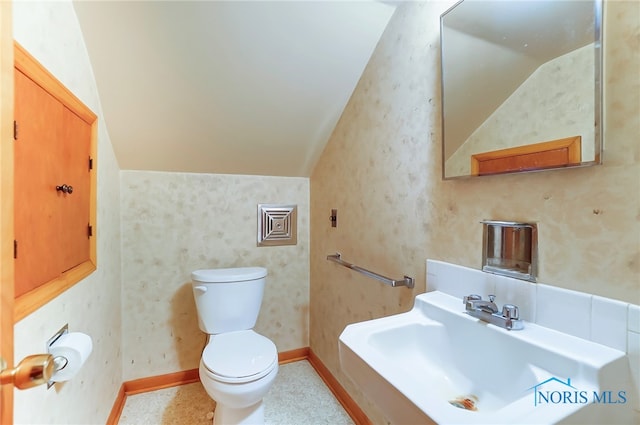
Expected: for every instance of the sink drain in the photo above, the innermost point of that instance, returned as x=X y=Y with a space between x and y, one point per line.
x=467 y=402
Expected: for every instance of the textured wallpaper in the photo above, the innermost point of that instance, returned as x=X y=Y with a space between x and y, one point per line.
x=394 y=211
x=381 y=170
x=174 y=223
x=50 y=32
x=555 y=102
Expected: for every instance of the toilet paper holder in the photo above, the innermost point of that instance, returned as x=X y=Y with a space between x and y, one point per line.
x=59 y=362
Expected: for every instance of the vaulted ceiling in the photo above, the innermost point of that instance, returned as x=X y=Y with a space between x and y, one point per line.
x=227 y=86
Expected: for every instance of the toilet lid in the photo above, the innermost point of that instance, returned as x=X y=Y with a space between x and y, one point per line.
x=241 y=354
x=238 y=274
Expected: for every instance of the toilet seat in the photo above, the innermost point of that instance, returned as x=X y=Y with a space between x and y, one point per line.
x=241 y=356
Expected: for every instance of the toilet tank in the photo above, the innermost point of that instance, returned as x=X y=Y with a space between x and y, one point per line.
x=228 y=299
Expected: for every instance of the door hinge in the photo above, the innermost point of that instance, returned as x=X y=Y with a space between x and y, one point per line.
x=90 y=163
x=15 y=249
x=89 y=230
x=15 y=130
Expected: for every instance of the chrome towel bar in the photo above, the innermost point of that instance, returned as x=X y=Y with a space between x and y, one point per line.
x=407 y=281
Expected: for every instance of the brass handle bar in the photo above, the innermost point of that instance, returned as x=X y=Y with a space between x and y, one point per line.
x=32 y=371
x=407 y=281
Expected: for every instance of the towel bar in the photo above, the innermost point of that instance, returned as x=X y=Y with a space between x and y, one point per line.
x=407 y=281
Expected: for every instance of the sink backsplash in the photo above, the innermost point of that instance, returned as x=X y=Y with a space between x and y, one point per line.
x=613 y=323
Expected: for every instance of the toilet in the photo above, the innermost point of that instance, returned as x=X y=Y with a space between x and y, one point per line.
x=238 y=365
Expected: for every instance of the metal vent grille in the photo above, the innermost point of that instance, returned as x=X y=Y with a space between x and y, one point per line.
x=277 y=224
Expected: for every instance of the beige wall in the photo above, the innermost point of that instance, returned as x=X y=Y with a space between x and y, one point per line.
x=50 y=32
x=174 y=223
x=382 y=168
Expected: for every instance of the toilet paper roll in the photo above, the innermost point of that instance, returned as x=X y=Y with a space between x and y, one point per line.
x=69 y=352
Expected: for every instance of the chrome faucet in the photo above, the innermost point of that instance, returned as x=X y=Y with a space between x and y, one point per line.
x=487 y=311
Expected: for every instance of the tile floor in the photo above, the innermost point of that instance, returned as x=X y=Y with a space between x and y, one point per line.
x=298 y=397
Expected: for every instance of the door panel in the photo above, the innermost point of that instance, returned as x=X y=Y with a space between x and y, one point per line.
x=75 y=208
x=37 y=216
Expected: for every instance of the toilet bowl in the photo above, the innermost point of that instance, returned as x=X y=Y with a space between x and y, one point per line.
x=238 y=365
x=237 y=370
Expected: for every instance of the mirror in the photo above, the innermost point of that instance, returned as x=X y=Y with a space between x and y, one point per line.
x=521 y=86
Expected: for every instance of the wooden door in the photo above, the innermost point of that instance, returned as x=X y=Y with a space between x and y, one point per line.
x=37 y=167
x=6 y=210
x=62 y=244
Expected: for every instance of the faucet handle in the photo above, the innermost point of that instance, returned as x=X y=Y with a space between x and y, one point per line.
x=472 y=297
x=510 y=311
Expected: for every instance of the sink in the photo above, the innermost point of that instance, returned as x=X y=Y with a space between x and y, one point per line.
x=435 y=364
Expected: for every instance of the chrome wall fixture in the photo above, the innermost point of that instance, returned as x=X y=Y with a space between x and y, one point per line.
x=407 y=281
x=510 y=248
x=58 y=361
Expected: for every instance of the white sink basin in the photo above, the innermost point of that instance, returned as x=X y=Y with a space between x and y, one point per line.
x=414 y=365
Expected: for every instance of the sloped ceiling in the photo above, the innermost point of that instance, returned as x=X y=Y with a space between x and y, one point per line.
x=227 y=86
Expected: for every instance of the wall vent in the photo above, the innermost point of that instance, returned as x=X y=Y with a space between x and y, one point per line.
x=277 y=224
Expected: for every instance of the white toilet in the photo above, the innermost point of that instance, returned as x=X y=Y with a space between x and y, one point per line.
x=238 y=365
